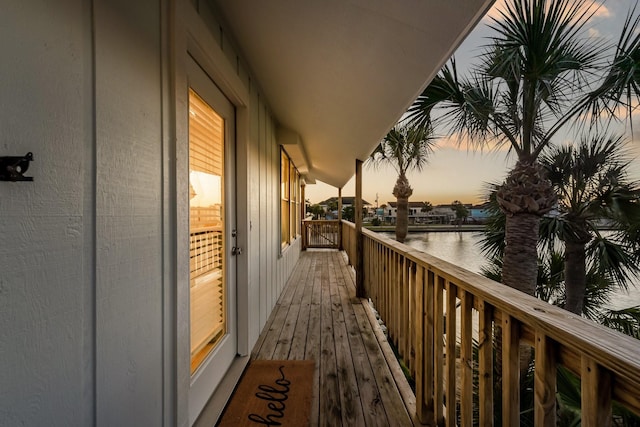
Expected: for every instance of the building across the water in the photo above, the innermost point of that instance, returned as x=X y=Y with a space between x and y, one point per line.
x=424 y=213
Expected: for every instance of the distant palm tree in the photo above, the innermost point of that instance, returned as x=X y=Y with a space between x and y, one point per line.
x=460 y=210
x=405 y=148
x=534 y=79
x=592 y=186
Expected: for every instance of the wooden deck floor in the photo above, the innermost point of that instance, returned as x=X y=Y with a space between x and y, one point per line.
x=318 y=317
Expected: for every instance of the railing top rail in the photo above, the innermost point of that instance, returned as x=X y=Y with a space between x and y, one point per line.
x=611 y=349
x=348 y=223
x=317 y=221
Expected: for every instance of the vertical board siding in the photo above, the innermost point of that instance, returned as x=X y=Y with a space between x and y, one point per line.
x=129 y=308
x=269 y=267
x=262 y=220
x=272 y=209
x=253 y=169
x=45 y=302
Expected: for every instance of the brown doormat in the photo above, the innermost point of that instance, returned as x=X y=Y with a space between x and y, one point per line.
x=272 y=392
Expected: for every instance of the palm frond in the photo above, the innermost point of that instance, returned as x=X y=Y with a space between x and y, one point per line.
x=405 y=148
x=598 y=293
x=540 y=53
x=626 y=320
x=621 y=84
x=612 y=260
x=492 y=244
x=444 y=89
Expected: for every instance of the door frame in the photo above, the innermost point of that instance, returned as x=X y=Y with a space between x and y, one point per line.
x=194 y=39
x=208 y=376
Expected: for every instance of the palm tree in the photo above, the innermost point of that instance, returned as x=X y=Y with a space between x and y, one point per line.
x=405 y=148
x=592 y=186
x=461 y=211
x=533 y=79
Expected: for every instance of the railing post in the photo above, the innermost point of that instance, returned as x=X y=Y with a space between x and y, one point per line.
x=303 y=208
x=340 y=204
x=360 y=291
x=305 y=240
x=340 y=247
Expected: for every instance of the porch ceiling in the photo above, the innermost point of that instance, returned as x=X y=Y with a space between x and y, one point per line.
x=340 y=73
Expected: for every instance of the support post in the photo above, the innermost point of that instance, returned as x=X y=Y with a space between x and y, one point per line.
x=303 y=216
x=359 y=261
x=340 y=245
x=303 y=208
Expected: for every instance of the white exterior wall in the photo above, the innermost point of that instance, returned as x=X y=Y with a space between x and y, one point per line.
x=93 y=305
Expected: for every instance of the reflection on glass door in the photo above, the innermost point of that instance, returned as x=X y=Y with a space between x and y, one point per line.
x=206 y=229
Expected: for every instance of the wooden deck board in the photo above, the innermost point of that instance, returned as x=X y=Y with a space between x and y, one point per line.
x=330 y=408
x=351 y=406
x=319 y=318
x=373 y=410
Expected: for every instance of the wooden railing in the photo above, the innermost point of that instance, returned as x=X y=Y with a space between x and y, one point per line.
x=424 y=300
x=349 y=239
x=321 y=234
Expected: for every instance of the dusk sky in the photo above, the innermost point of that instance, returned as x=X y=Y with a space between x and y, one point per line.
x=457 y=172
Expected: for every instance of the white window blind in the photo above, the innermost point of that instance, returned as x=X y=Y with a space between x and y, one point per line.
x=206 y=227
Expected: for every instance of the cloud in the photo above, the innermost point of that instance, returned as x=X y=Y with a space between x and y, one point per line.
x=621 y=112
x=594 y=33
x=596 y=8
x=462 y=142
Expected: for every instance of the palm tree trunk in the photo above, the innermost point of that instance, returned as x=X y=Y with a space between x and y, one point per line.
x=575 y=278
x=520 y=263
x=402 y=190
x=402 y=220
x=524 y=197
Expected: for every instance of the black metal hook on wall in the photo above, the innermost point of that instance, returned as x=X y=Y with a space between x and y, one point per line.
x=12 y=168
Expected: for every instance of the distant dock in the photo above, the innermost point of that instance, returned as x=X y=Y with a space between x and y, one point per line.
x=430 y=228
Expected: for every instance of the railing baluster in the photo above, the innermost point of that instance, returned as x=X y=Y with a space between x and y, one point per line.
x=387 y=293
x=402 y=306
x=545 y=382
x=596 y=394
x=466 y=360
x=375 y=269
x=404 y=311
x=395 y=307
x=485 y=364
x=438 y=350
x=428 y=303
x=412 y=312
x=510 y=371
x=422 y=343
x=388 y=318
x=450 y=352
x=366 y=269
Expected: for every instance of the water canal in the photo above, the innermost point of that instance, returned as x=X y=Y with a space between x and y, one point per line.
x=463 y=249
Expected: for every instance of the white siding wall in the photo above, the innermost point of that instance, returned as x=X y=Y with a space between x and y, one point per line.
x=129 y=212
x=89 y=278
x=45 y=237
